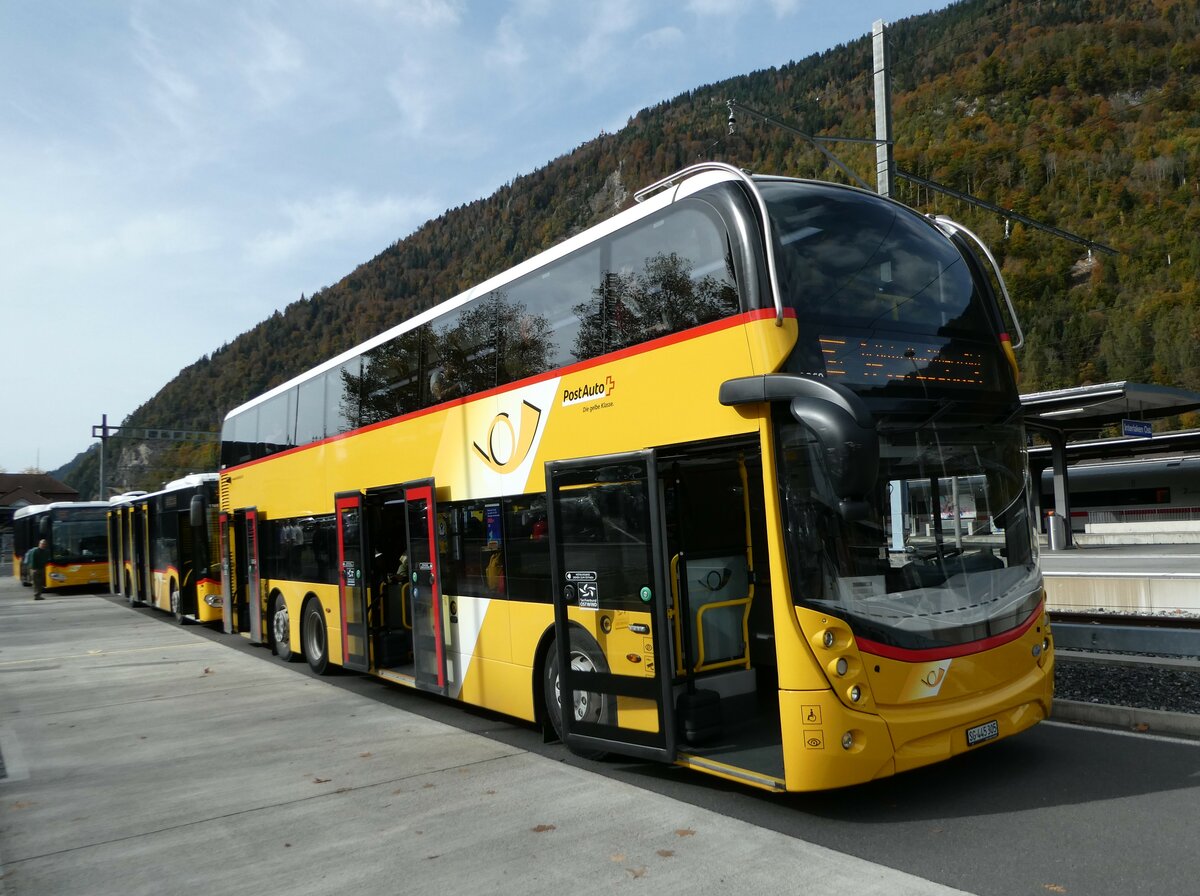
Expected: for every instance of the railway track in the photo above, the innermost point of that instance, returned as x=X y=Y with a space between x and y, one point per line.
x=1151 y=636
x=1146 y=664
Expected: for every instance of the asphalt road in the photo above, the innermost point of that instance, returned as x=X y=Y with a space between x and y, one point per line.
x=1059 y=809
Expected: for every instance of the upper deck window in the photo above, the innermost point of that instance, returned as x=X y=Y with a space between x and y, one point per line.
x=666 y=273
x=884 y=300
x=852 y=259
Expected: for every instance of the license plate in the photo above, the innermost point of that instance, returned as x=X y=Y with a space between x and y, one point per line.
x=985 y=732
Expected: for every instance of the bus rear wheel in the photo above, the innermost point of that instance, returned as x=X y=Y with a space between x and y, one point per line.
x=585 y=655
x=281 y=630
x=315 y=637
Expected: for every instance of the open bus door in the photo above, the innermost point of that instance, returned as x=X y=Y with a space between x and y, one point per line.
x=140 y=526
x=425 y=595
x=610 y=593
x=413 y=643
x=240 y=574
x=227 y=572
x=113 y=518
x=354 y=579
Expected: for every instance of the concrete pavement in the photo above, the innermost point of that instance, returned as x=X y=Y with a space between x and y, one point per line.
x=142 y=758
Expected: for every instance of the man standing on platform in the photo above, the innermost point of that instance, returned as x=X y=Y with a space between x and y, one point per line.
x=37 y=558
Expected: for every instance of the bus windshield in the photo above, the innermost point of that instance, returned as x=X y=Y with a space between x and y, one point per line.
x=945 y=553
x=80 y=536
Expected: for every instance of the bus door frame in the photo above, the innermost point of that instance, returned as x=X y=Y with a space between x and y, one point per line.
x=426 y=594
x=240 y=570
x=223 y=524
x=143 y=576
x=189 y=564
x=354 y=581
x=568 y=583
x=113 y=519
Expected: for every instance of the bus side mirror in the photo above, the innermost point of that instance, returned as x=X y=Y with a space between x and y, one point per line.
x=851 y=448
x=44 y=526
x=841 y=421
x=197 y=512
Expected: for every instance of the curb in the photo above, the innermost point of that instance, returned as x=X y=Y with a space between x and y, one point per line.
x=1129 y=718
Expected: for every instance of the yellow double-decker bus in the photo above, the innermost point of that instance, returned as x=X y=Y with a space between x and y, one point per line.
x=76 y=537
x=734 y=480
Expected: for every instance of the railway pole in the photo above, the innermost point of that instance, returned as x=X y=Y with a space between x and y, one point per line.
x=885 y=158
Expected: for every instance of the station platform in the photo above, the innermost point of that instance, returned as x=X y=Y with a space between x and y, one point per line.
x=1148 y=580
x=141 y=757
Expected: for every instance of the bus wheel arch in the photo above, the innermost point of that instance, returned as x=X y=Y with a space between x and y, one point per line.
x=279 y=628
x=585 y=654
x=314 y=635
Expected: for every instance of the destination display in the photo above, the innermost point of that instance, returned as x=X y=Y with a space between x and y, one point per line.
x=872 y=361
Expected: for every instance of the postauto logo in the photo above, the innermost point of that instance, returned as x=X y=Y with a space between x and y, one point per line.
x=588 y=392
x=506 y=447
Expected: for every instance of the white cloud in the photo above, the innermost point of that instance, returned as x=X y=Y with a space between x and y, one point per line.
x=171 y=92
x=508 y=49
x=421 y=13
x=142 y=236
x=273 y=63
x=337 y=218
x=784 y=8
x=596 y=56
x=667 y=36
x=704 y=8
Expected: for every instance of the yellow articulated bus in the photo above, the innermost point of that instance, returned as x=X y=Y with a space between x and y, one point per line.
x=169 y=548
x=75 y=536
x=734 y=480
x=122 y=564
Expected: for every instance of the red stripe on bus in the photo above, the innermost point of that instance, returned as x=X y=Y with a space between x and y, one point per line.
x=945 y=653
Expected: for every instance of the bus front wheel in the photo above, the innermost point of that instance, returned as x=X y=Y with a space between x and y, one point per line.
x=176 y=607
x=281 y=630
x=315 y=637
x=585 y=655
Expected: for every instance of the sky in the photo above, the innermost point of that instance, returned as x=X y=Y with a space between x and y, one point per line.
x=174 y=171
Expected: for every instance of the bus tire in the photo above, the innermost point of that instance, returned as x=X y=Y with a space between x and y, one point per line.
x=176 y=605
x=585 y=656
x=281 y=630
x=314 y=636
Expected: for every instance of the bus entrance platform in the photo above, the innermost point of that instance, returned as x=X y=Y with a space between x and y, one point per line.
x=147 y=758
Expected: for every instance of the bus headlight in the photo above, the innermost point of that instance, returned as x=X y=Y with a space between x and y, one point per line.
x=848 y=740
x=855 y=694
x=842 y=666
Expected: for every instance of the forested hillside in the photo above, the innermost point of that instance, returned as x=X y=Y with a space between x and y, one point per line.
x=1078 y=113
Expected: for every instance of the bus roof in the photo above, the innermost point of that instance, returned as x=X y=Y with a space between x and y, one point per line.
x=191 y=480
x=36 y=509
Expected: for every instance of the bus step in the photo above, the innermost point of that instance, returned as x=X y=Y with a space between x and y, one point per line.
x=699 y=714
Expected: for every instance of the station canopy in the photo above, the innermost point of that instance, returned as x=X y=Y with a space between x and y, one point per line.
x=1087 y=409
x=1072 y=419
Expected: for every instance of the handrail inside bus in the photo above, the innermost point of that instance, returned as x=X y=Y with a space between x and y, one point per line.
x=949 y=224
x=645 y=192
